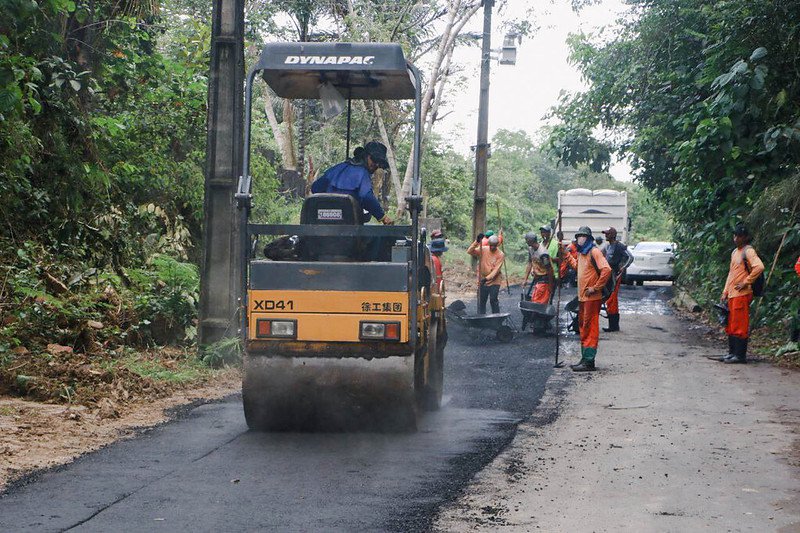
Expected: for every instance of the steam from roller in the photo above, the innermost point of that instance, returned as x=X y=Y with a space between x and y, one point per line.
x=329 y=394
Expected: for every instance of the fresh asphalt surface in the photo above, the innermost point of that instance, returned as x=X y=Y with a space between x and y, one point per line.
x=206 y=472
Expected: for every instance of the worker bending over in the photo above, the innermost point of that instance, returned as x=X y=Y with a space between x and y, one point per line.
x=593 y=273
x=744 y=269
x=490 y=263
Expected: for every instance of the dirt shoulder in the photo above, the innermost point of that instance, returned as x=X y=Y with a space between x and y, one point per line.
x=659 y=439
x=37 y=435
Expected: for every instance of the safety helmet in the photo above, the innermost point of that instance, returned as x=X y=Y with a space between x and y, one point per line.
x=493 y=240
x=584 y=230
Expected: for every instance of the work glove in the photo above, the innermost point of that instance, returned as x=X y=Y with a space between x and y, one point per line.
x=479 y=238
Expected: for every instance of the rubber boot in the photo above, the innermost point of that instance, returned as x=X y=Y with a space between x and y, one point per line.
x=586 y=363
x=731 y=350
x=739 y=356
x=613 y=323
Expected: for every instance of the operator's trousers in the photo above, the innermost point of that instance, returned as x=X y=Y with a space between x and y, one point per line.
x=612 y=304
x=491 y=292
x=541 y=293
x=589 y=317
x=739 y=316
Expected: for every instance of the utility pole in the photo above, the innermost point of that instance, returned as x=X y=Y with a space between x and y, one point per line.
x=219 y=287
x=482 y=146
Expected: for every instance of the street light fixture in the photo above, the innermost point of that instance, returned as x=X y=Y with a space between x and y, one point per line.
x=507 y=56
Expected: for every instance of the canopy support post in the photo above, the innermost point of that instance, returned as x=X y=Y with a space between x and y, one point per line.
x=349 y=112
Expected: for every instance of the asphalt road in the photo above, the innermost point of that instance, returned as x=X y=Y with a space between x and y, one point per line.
x=206 y=472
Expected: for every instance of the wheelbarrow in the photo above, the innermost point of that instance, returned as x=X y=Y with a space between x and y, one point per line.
x=500 y=323
x=539 y=316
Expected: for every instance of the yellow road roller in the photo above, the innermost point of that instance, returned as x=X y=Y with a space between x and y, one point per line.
x=348 y=330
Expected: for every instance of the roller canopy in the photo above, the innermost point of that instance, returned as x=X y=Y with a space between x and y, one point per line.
x=361 y=71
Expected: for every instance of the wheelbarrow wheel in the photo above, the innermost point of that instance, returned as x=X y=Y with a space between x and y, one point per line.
x=505 y=333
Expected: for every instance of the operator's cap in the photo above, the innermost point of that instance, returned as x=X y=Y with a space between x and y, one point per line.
x=530 y=236
x=548 y=229
x=377 y=152
x=584 y=230
x=493 y=239
x=437 y=234
x=610 y=231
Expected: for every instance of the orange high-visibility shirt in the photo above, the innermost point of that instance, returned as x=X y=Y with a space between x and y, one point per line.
x=437 y=267
x=490 y=263
x=587 y=274
x=797 y=266
x=737 y=273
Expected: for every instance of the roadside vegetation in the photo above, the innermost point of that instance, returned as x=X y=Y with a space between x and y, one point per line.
x=703 y=99
x=102 y=155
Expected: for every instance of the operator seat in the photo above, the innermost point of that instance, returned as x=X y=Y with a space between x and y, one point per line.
x=330 y=209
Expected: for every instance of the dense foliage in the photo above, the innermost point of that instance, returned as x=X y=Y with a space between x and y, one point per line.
x=102 y=156
x=703 y=97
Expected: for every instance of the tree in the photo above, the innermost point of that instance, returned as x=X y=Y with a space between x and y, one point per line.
x=703 y=98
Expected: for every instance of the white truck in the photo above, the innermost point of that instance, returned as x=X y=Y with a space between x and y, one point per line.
x=597 y=209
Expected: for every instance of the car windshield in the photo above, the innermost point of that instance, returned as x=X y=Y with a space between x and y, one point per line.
x=653 y=247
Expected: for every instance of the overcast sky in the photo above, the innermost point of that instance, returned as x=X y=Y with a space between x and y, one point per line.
x=521 y=95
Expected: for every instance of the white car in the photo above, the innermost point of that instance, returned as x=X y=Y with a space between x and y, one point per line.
x=652 y=261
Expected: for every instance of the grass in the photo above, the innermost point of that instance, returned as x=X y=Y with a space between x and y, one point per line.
x=172 y=368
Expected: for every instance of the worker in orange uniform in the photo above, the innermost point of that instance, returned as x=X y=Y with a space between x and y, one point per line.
x=796 y=330
x=562 y=263
x=437 y=248
x=487 y=236
x=619 y=258
x=541 y=267
x=593 y=273
x=744 y=269
x=571 y=275
x=490 y=263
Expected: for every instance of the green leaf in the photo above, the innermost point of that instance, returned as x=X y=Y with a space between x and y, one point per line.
x=35 y=105
x=76 y=85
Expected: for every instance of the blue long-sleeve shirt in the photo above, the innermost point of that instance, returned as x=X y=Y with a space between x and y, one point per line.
x=347 y=178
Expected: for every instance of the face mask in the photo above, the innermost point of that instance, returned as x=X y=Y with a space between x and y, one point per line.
x=581 y=240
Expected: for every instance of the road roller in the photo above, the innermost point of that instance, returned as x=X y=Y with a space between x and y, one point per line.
x=346 y=329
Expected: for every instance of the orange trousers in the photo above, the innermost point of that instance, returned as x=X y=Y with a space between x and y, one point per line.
x=541 y=293
x=612 y=304
x=589 y=316
x=739 y=316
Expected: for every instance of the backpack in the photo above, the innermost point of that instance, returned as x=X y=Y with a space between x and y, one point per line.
x=760 y=282
x=610 y=285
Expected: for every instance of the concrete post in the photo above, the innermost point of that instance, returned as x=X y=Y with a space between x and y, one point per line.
x=482 y=146
x=219 y=285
